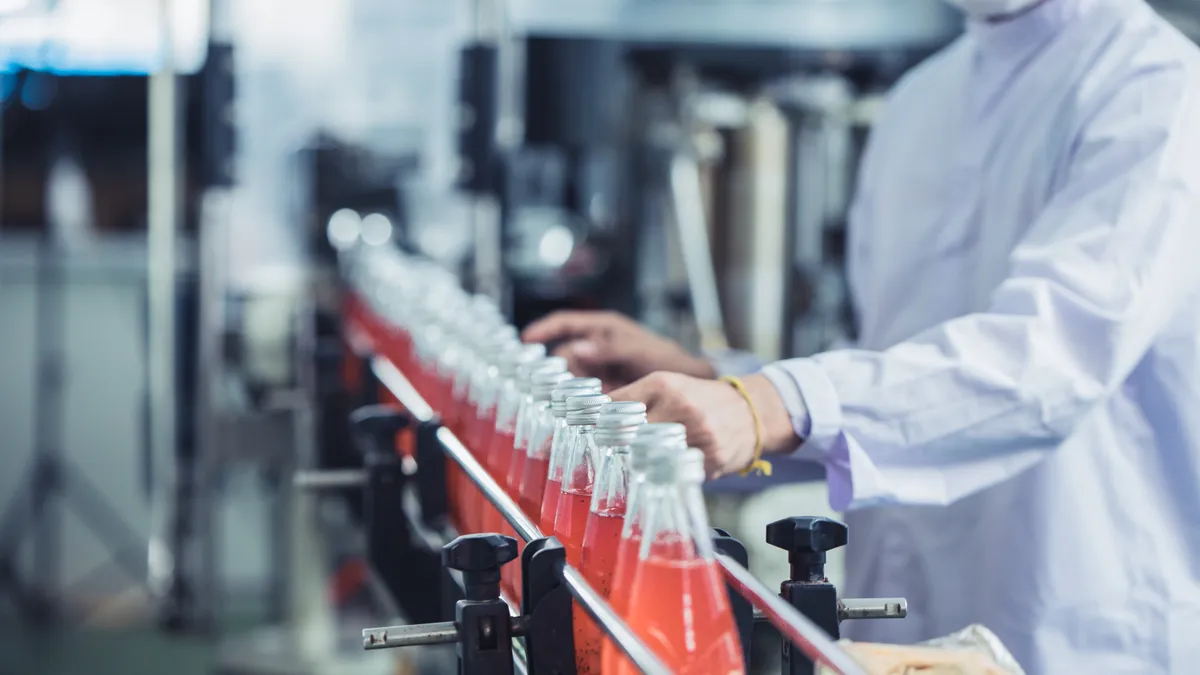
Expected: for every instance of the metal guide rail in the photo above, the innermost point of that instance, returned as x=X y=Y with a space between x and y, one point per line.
x=813 y=641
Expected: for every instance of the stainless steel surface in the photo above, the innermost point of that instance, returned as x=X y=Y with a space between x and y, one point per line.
x=798 y=24
x=607 y=619
x=688 y=206
x=872 y=608
x=390 y=637
x=329 y=479
x=807 y=636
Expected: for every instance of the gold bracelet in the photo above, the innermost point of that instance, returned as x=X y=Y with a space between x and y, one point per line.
x=759 y=465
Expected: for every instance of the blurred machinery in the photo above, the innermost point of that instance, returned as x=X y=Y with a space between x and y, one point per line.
x=688 y=164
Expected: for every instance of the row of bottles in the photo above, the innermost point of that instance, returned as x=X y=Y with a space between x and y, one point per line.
x=623 y=496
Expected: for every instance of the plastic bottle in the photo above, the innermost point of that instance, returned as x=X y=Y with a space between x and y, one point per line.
x=652 y=443
x=616 y=429
x=559 y=447
x=575 y=497
x=677 y=602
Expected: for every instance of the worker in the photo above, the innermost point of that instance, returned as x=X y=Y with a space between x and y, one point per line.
x=1016 y=435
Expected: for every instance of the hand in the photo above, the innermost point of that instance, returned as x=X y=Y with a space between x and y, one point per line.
x=718 y=419
x=613 y=347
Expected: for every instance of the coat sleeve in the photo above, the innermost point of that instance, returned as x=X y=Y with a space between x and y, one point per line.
x=1100 y=273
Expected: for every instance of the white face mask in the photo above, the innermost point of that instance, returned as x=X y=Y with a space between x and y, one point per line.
x=986 y=9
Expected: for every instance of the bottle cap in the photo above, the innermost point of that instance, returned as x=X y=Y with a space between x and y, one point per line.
x=546 y=364
x=618 y=422
x=543 y=383
x=575 y=386
x=523 y=355
x=654 y=442
x=585 y=409
x=686 y=466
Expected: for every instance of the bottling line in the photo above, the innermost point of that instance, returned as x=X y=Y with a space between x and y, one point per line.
x=401 y=350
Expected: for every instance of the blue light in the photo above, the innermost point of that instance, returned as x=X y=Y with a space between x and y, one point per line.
x=8 y=84
x=38 y=92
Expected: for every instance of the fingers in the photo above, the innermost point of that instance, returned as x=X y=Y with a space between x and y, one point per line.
x=563 y=326
x=644 y=390
x=584 y=358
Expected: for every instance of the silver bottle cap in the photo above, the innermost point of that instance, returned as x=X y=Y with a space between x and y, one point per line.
x=546 y=364
x=576 y=386
x=654 y=442
x=585 y=409
x=618 y=422
x=523 y=355
x=544 y=382
x=686 y=466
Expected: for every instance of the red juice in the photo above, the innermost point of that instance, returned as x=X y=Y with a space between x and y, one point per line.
x=549 y=509
x=601 y=539
x=516 y=470
x=499 y=455
x=623 y=573
x=601 y=542
x=533 y=486
x=513 y=484
x=570 y=522
x=679 y=609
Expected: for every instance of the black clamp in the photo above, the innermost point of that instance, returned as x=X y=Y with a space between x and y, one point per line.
x=484 y=627
x=807 y=540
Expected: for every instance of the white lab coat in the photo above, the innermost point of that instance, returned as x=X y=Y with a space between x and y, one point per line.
x=1017 y=434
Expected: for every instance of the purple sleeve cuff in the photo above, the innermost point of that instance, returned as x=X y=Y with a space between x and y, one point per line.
x=734 y=363
x=813 y=404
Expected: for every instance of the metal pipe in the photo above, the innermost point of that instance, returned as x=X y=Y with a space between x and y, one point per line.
x=687 y=201
x=873 y=608
x=607 y=619
x=162 y=222
x=330 y=479
x=794 y=626
x=861 y=608
x=390 y=637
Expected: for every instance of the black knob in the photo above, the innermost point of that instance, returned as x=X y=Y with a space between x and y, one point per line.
x=806 y=540
x=479 y=558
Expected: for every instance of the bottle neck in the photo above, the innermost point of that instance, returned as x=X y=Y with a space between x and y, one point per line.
x=539 y=427
x=560 y=448
x=579 y=474
x=610 y=496
x=674 y=522
x=526 y=415
x=508 y=403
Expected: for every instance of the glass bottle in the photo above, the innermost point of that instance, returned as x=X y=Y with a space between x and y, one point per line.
x=531 y=481
x=616 y=429
x=677 y=602
x=487 y=347
x=657 y=442
x=559 y=446
x=536 y=389
x=574 y=498
x=537 y=401
x=503 y=397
